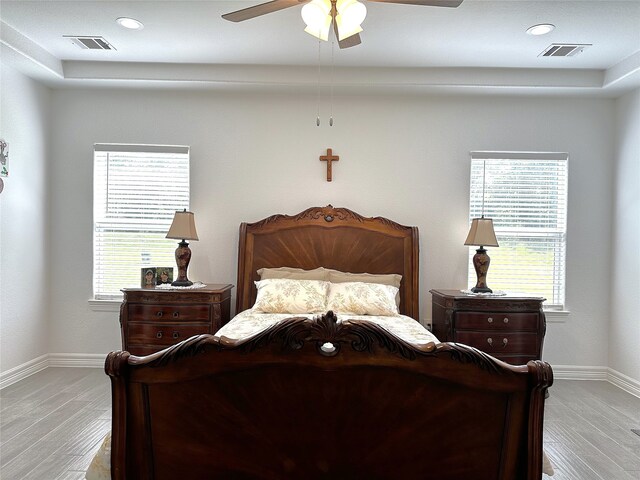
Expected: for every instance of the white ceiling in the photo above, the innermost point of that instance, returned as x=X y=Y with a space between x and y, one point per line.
x=481 y=45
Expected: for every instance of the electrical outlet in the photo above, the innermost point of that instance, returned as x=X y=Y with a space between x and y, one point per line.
x=427 y=324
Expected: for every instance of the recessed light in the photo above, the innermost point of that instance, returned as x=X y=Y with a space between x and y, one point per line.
x=541 y=29
x=130 y=23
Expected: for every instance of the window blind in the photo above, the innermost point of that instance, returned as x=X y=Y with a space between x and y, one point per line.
x=137 y=189
x=525 y=193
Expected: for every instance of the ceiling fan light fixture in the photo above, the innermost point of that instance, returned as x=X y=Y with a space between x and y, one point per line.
x=317 y=16
x=346 y=29
x=322 y=33
x=351 y=14
x=352 y=10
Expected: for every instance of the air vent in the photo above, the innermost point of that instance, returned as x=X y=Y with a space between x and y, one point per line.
x=90 y=42
x=563 y=50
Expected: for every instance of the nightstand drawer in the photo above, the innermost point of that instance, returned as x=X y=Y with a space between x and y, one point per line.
x=169 y=313
x=497 y=321
x=147 y=333
x=500 y=343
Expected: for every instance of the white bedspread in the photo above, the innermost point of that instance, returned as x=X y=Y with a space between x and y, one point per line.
x=250 y=323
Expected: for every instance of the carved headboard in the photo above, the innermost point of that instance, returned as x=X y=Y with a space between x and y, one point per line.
x=329 y=237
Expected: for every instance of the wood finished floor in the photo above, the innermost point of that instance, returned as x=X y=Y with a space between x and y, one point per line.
x=51 y=424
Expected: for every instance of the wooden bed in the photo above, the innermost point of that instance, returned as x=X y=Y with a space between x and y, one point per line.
x=318 y=399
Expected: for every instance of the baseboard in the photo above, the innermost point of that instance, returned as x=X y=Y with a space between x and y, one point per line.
x=87 y=360
x=574 y=372
x=91 y=360
x=23 y=371
x=624 y=382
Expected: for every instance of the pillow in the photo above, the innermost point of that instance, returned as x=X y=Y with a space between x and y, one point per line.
x=293 y=273
x=336 y=276
x=286 y=295
x=358 y=298
x=393 y=279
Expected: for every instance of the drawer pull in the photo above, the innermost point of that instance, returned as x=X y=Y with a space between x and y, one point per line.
x=490 y=341
x=490 y=320
x=504 y=342
x=177 y=314
x=158 y=314
x=505 y=319
x=176 y=335
x=159 y=335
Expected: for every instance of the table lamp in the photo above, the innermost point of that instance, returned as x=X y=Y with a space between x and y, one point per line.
x=481 y=233
x=183 y=228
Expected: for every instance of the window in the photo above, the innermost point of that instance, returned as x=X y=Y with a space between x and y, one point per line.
x=526 y=196
x=136 y=191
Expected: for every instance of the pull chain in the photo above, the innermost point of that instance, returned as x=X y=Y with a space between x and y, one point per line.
x=318 y=114
x=331 y=80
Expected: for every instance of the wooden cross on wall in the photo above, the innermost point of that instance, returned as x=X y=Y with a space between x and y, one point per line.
x=329 y=157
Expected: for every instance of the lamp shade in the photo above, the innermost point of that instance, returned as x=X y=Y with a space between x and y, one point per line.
x=183 y=227
x=317 y=16
x=351 y=14
x=481 y=233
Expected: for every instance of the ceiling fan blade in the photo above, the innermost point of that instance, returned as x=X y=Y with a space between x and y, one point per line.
x=351 y=41
x=425 y=3
x=262 y=9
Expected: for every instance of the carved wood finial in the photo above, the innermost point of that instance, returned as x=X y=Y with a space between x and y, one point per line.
x=116 y=363
x=329 y=157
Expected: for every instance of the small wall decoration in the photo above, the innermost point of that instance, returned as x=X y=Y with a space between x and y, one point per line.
x=164 y=275
x=148 y=277
x=4 y=158
x=329 y=157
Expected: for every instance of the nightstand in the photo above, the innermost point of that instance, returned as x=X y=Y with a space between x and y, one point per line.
x=153 y=319
x=509 y=327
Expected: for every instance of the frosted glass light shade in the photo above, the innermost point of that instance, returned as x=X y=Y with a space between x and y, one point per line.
x=352 y=11
x=317 y=16
x=321 y=32
x=351 y=14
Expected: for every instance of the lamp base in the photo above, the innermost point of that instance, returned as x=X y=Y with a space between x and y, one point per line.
x=481 y=263
x=183 y=256
x=481 y=290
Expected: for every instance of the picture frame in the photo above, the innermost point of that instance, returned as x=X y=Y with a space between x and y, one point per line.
x=4 y=158
x=164 y=275
x=148 y=277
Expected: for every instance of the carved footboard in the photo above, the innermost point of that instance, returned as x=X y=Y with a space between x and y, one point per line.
x=319 y=399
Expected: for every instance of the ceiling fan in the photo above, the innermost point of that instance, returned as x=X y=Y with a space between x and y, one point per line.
x=345 y=16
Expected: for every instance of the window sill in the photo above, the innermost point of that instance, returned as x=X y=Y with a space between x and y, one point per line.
x=104 y=305
x=556 y=316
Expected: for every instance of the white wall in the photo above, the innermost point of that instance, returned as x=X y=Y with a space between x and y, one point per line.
x=624 y=353
x=404 y=157
x=24 y=215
